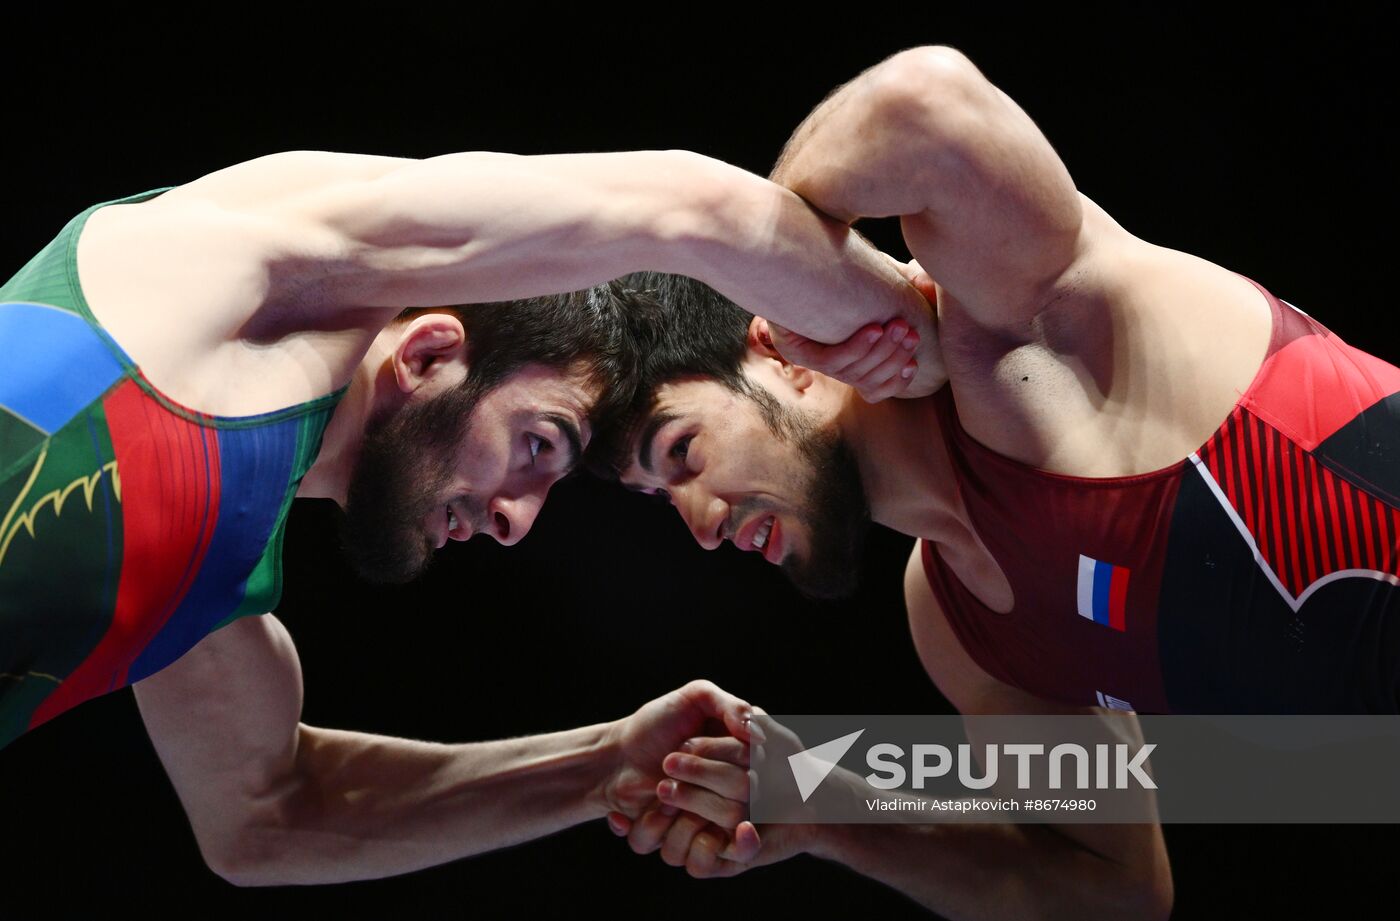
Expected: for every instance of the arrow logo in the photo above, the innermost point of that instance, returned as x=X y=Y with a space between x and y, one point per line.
x=810 y=767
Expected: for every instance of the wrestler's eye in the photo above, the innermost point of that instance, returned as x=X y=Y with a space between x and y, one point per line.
x=536 y=445
x=681 y=448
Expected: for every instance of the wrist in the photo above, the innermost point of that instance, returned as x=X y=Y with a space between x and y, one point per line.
x=837 y=841
x=602 y=798
x=830 y=841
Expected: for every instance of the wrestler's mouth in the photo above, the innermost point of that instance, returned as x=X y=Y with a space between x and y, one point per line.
x=458 y=526
x=764 y=535
x=451 y=526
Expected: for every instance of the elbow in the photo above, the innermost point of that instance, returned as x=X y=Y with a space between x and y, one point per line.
x=242 y=861
x=930 y=86
x=250 y=842
x=239 y=876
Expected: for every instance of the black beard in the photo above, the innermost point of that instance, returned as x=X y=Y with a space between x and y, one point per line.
x=400 y=475
x=837 y=515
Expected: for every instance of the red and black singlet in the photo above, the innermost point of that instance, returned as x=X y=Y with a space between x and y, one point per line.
x=1261 y=574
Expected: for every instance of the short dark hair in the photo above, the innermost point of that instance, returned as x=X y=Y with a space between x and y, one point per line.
x=587 y=329
x=678 y=328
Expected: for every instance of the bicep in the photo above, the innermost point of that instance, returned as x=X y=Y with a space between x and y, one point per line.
x=987 y=206
x=224 y=718
x=995 y=215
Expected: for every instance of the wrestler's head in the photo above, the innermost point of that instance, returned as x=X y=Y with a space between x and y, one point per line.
x=479 y=411
x=743 y=443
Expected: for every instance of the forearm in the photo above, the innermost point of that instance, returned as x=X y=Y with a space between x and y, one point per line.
x=475 y=227
x=771 y=252
x=973 y=871
x=360 y=806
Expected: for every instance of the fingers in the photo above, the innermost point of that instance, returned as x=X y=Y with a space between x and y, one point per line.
x=724 y=778
x=676 y=846
x=889 y=368
x=711 y=857
x=705 y=861
x=717 y=703
x=649 y=831
x=890 y=380
x=895 y=342
x=830 y=359
x=691 y=842
x=894 y=387
x=721 y=748
x=619 y=824
x=723 y=869
x=922 y=281
x=878 y=361
x=875 y=350
x=724 y=812
x=745 y=844
x=702 y=857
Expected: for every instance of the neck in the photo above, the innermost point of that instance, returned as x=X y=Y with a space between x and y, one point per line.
x=904 y=465
x=329 y=476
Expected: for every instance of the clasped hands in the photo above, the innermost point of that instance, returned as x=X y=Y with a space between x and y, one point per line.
x=683 y=785
x=898 y=358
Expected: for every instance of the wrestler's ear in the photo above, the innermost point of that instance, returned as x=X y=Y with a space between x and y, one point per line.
x=761 y=339
x=763 y=343
x=431 y=346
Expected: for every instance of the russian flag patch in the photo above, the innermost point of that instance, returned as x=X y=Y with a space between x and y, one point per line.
x=1103 y=592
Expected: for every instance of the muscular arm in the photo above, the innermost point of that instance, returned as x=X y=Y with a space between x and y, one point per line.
x=986 y=205
x=274 y=801
x=472 y=227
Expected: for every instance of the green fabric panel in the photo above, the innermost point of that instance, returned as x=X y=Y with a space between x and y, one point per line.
x=17 y=437
x=58 y=585
x=44 y=279
x=264 y=589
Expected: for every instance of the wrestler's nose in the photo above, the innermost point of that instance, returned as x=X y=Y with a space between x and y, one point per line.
x=511 y=518
x=704 y=513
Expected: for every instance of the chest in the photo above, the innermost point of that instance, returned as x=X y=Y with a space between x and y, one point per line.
x=1083 y=566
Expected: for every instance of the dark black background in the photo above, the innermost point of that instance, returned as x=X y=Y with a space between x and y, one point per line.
x=1255 y=143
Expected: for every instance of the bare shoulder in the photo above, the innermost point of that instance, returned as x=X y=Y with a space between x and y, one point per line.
x=1137 y=356
x=196 y=283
